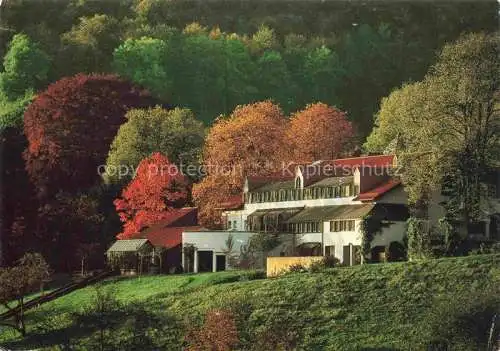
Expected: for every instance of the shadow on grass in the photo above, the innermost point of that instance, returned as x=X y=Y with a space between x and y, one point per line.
x=115 y=327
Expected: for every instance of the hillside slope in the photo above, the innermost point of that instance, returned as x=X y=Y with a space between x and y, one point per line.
x=371 y=307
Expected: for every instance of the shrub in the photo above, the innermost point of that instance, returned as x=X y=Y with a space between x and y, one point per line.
x=324 y=263
x=296 y=268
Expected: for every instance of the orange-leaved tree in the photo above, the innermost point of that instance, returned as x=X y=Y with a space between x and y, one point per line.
x=251 y=141
x=156 y=192
x=319 y=132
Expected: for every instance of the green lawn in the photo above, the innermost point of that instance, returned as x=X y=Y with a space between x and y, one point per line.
x=370 y=307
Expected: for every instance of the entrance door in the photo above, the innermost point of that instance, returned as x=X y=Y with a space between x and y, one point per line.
x=220 y=261
x=205 y=261
x=346 y=257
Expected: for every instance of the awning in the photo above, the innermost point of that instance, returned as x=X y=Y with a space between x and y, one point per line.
x=325 y=213
x=285 y=212
x=274 y=217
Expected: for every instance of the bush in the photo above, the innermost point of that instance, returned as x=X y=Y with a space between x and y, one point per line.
x=296 y=268
x=324 y=263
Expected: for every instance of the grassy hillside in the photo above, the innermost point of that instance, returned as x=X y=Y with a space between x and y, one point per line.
x=371 y=307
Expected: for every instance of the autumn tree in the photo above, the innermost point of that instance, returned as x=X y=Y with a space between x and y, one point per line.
x=248 y=142
x=157 y=190
x=174 y=133
x=20 y=280
x=70 y=127
x=319 y=132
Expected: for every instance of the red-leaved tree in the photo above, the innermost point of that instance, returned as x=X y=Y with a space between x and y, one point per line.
x=319 y=132
x=157 y=190
x=70 y=127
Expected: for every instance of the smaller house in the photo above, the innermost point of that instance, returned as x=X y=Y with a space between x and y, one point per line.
x=131 y=256
x=165 y=237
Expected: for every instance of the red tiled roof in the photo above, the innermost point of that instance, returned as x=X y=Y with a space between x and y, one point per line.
x=378 y=191
x=168 y=237
x=232 y=203
x=168 y=232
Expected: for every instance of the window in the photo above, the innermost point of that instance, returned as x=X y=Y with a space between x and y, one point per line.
x=234 y=225
x=245 y=224
x=342 y=226
x=228 y=224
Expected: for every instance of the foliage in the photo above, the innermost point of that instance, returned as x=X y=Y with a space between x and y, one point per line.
x=418 y=233
x=143 y=61
x=70 y=127
x=325 y=263
x=465 y=324
x=89 y=45
x=154 y=194
x=248 y=142
x=218 y=332
x=319 y=132
x=174 y=133
x=16 y=282
x=370 y=226
x=11 y=112
x=26 y=67
x=296 y=268
x=448 y=126
x=231 y=256
x=396 y=252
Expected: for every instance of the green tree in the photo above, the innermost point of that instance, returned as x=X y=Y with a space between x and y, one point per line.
x=273 y=80
x=448 y=126
x=175 y=133
x=362 y=86
x=143 y=61
x=25 y=68
x=323 y=71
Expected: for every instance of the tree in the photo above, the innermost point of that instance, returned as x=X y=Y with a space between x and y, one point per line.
x=264 y=39
x=143 y=61
x=323 y=73
x=277 y=84
x=447 y=127
x=89 y=45
x=16 y=282
x=70 y=127
x=154 y=194
x=25 y=70
x=402 y=105
x=18 y=203
x=319 y=132
x=248 y=142
x=26 y=67
x=362 y=86
x=175 y=133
